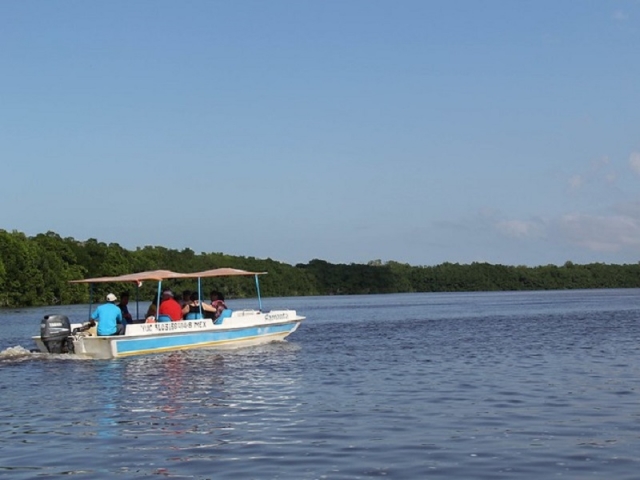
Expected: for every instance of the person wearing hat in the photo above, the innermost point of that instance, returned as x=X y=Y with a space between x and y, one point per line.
x=109 y=317
x=169 y=309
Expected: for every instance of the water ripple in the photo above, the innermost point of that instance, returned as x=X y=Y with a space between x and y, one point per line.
x=511 y=385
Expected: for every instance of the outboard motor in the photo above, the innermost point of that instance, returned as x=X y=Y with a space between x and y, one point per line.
x=54 y=332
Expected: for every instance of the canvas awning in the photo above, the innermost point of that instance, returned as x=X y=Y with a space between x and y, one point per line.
x=220 y=272
x=156 y=275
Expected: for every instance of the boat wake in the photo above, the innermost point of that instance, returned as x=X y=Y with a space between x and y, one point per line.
x=15 y=354
x=19 y=354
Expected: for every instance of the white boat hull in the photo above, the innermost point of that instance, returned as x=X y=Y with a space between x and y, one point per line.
x=242 y=328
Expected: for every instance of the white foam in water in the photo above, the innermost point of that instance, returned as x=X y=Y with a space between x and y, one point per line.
x=14 y=352
x=19 y=353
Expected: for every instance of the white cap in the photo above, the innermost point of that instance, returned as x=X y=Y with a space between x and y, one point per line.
x=111 y=297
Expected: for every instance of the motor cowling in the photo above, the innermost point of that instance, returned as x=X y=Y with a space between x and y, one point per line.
x=54 y=332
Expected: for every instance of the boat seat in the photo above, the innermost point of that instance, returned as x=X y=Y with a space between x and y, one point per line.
x=226 y=313
x=193 y=316
x=163 y=318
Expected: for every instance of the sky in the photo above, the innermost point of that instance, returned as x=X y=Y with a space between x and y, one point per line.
x=414 y=131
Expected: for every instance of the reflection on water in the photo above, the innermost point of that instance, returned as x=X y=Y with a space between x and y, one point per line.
x=182 y=405
x=199 y=392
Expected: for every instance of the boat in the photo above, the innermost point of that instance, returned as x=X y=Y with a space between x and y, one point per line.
x=235 y=328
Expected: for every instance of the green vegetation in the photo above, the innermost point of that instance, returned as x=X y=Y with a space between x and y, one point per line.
x=36 y=271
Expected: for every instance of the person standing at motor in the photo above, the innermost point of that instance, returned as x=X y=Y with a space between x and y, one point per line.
x=109 y=317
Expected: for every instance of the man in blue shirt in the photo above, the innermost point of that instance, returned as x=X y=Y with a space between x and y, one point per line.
x=109 y=317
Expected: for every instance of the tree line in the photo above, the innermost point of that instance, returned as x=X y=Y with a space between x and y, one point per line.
x=36 y=271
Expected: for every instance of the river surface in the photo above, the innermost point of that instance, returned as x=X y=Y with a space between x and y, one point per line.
x=415 y=386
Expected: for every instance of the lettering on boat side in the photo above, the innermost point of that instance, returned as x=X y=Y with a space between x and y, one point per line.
x=181 y=326
x=276 y=316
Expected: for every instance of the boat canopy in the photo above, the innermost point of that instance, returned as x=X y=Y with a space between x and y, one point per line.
x=156 y=275
x=220 y=272
x=159 y=275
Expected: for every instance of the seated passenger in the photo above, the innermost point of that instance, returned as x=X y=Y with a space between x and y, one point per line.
x=186 y=296
x=217 y=305
x=153 y=309
x=169 y=307
x=124 y=300
x=109 y=317
x=191 y=311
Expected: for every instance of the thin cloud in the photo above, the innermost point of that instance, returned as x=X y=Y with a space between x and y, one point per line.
x=601 y=233
x=576 y=182
x=618 y=231
x=520 y=228
x=600 y=172
x=619 y=16
x=634 y=162
x=629 y=209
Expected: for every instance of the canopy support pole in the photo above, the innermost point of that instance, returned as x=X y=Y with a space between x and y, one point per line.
x=159 y=294
x=258 y=289
x=200 y=295
x=90 y=298
x=137 y=300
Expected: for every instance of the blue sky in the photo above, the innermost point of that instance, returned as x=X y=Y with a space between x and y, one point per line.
x=416 y=131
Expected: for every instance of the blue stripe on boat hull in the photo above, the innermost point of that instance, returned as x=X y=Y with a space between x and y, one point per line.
x=193 y=340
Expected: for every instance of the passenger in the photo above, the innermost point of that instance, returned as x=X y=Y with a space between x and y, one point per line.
x=169 y=307
x=186 y=298
x=217 y=305
x=124 y=301
x=191 y=310
x=153 y=308
x=109 y=317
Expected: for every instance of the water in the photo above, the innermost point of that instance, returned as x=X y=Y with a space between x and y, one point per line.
x=457 y=386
